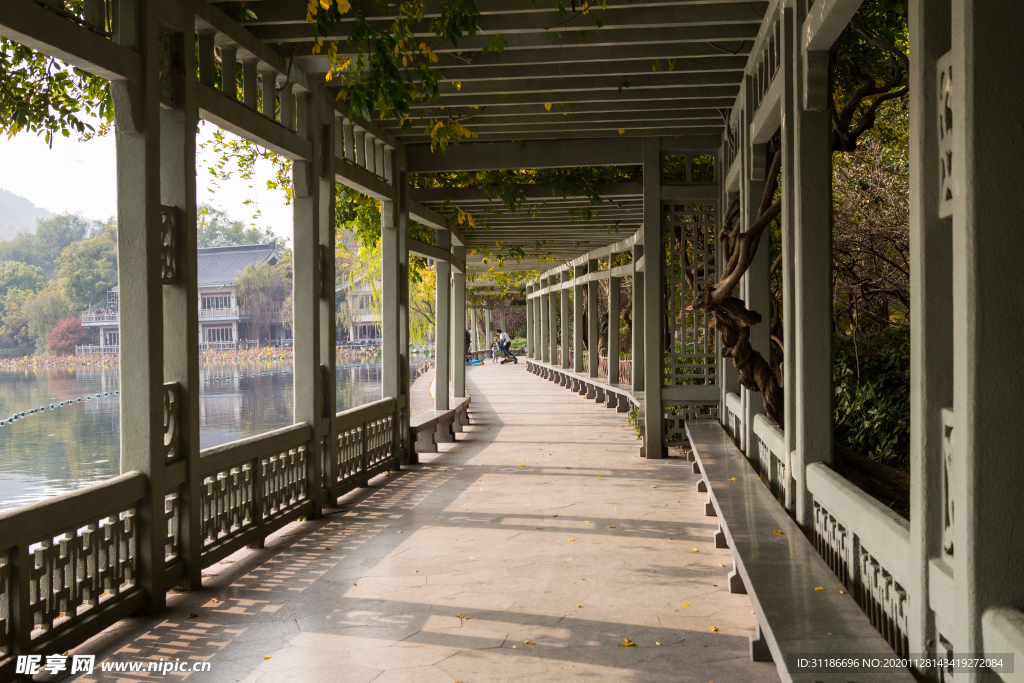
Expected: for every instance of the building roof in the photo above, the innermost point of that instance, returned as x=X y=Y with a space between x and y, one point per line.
x=219 y=265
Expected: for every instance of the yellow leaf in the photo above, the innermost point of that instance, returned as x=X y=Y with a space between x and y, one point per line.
x=626 y=642
x=527 y=642
x=819 y=589
x=611 y=527
x=459 y=616
x=571 y=540
x=693 y=550
x=714 y=628
x=457 y=84
x=579 y=606
x=732 y=479
x=622 y=131
x=344 y=6
x=657 y=643
x=686 y=604
x=522 y=465
x=266 y=656
x=778 y=533
x=720 y=564
x=842 y=592
x=547 y=106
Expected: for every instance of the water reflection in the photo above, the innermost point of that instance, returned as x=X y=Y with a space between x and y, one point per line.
x=59 y=450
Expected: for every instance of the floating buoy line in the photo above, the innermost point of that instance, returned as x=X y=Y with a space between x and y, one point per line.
x=89 y=397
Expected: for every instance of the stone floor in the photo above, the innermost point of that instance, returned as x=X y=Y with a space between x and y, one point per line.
x=531 y=550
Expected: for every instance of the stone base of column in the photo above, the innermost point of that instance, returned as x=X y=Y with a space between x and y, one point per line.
x=424 y=444
x=736 y=583
x=759 y=650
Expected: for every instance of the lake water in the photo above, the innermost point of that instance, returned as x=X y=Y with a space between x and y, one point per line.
x=55 y=451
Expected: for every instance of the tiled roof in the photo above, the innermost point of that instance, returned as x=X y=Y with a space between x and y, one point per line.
x=218 y=265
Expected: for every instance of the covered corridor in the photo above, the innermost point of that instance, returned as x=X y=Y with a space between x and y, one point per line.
x=374 y=590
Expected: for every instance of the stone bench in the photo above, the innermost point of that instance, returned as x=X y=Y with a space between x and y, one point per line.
x=780 y=571
x=432 y=427
x=616 y=396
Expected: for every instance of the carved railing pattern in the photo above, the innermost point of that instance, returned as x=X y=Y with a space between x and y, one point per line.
x=366 y=442
x=226 y=503
x=172 y=520
x=883 y=600
x=675 y=416
x=69 y=566
x=834 y=544
x=350 y=452
x=74 y=570
x=379 y=440
x=284 y=481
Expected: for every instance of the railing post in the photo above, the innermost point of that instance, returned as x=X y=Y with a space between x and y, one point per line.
x=593 y=321
x=443 y=325
x=307 y=284
x=653 y=304
x=137 y=133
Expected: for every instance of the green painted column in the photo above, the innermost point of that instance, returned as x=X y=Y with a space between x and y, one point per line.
x=652 y=301
x=593 y=321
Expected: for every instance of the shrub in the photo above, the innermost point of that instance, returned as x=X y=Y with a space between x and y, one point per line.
x=62 y=338
x=871 y=374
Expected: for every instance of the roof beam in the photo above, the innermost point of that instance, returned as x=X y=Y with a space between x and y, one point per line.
x=550 y=154
x=36 y=27
x=478 y=194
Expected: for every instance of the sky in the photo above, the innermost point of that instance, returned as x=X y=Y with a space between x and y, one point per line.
x=77 y=176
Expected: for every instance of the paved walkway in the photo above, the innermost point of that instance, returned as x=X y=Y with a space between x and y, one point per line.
x=528 y=551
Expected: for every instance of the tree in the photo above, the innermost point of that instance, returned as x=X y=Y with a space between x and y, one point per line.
x=262 y=289
x=14 y=330
x=43 y=311
x=43 y=247
x=20 y=276
x=215 y=229
x=61 y=340
x=88 y=269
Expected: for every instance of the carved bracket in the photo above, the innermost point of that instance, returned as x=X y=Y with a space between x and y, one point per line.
x=170 y=220
x=946 y=129
x=172 y=406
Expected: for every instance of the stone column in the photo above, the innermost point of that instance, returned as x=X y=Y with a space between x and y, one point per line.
x=987 y=469
x=652 y=302
x=443 y=325
x=474 y=337
x=137 y=135
x=614 y=285
x=931 y=334
x=578 y=290
x=459 y=326
x=637 y=333
x=306 y=292
x=545 y=321
x=754 y=284
x=553 y=306
x=811 y=348
x=181 y=300
x=791 y=99
x=593 y=320
x=566 y=276
x=487 y=325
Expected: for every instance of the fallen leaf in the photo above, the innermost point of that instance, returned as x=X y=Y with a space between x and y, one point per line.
x=778 y=533
x=579 y=606
x=527 y=642
x=654 y=487
x=842 y=592
x=191 y=615
x=460 y=616
x=626 y=642
x=327 y=548
x=732 y=478
x=686 y=604
x=714 y=628
x=720 y=564
x=611 y=527
x=599 y=476
x=589 y=522
x=522 y=465
x=693 y=550
x=571 y=540
x=657 y=643
x=568 y=468
x=515 y=647
x=399 y=532
x=266 y=656
x=819 y=589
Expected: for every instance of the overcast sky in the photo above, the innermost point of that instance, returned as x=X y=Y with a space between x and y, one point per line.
x=81 y=177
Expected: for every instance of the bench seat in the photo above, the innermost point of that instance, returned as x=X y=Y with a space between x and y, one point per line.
x=431 y=427
x=780 y=572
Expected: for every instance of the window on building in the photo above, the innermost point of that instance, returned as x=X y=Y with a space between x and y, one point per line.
x=219 y=301
x=218 y=334
x=111 y=338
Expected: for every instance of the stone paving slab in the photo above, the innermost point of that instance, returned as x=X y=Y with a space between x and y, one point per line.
x=526 y=551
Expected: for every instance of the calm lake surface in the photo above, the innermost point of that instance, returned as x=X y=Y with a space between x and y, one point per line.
x=60 y=450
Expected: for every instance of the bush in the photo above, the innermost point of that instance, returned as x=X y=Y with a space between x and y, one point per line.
x=61 y=340
x=871 y=374
x=518 y=343
x=18 y=351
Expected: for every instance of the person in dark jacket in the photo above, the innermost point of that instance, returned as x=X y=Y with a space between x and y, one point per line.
x=505 y=344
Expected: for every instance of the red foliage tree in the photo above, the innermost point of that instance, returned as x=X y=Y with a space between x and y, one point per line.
x=62 y=338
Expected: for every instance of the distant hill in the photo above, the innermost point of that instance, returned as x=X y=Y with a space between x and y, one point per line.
x=18 y=213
